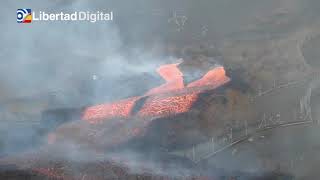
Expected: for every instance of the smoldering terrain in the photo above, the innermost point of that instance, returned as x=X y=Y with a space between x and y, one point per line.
x=261 y=125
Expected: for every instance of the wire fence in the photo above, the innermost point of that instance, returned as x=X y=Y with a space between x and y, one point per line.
x=234 y=136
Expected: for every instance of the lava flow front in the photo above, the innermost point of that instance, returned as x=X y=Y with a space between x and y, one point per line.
x=128 y=117
x=171 y=98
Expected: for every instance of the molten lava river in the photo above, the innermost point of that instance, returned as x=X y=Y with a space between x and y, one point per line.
x=171 y=98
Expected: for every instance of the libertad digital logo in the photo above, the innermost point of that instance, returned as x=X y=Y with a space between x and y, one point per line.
x=24 y=16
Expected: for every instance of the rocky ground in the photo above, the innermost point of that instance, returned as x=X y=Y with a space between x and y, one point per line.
x=255 y=125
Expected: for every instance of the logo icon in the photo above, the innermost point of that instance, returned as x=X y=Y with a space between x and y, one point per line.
x=24 y=16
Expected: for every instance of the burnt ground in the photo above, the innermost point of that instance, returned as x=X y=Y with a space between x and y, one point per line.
x=274 y=44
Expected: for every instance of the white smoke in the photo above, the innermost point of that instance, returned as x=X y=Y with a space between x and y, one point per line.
x=44 y=57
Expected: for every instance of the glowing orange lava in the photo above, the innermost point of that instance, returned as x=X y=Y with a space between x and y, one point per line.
x=173 y=97
x=158 y=106
x=213 y=78
x=173 y=77
x=120 y=109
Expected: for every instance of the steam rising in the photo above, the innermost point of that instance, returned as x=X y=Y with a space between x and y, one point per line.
x=80 y=62
x=57 y=65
